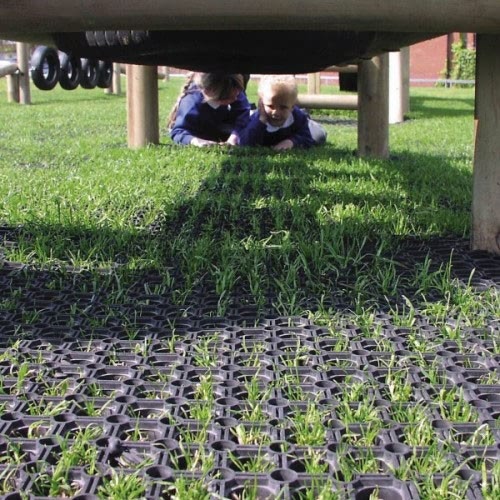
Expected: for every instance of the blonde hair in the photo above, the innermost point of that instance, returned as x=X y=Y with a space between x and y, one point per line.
x=220 y=86
x=278 y=85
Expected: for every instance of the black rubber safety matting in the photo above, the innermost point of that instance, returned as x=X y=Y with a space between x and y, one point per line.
x=247 y=406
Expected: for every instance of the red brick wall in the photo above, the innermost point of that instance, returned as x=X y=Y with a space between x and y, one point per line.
x=428 y=59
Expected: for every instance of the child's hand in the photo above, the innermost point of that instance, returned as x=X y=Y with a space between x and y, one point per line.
x=196 y=141
x=283 y=145
x=233 y=140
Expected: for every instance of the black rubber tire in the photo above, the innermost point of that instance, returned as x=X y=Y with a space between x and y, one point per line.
x=100 y=38
x=45 y=67
x=123 y=38
x=90 y=38
x=111 y=38
x=139 y=37
x=71 y=71
x=105 y=77
x=90 y=73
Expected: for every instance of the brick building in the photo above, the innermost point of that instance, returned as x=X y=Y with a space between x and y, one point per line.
x=431 y=60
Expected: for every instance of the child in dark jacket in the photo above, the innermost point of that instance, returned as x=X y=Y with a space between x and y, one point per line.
x=279 y=122
x=212 y=109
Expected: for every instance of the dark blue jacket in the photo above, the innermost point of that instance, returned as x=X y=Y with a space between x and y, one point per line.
x=256 y=133
x=196 y=118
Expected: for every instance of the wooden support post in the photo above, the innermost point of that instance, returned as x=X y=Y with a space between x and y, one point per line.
x=116 y=84
x=486 y=175
x=405 y=68
x=13 y=87
x=311 y=87
x=373 y=107
x=23 y=62
x=313 y=83
x=142 y=105
x=396 y=114
x=115 y=87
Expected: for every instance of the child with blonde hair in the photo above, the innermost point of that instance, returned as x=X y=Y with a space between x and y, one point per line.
x=278 y=121
x=212 y=109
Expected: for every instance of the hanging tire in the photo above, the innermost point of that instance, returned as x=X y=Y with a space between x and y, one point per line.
x=124 y=38
x=90 y=73
x=45 y=67
x=71 y=71
x=105 y=76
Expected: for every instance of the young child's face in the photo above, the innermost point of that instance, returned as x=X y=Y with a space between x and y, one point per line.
x=277 y=106
x=233 y=95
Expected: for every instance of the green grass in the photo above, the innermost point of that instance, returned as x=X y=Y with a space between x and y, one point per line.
x=298 y=225
x=311 y=229
x=233 y=218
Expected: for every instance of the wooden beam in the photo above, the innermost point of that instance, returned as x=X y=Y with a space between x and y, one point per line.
x=116 y=83
x=8 y=69
x=23 y=61
x=396 y=105
x=328 y=101
x=13 y=87
x=373 y=107
x=313 y=83
x=405 y=67
x=486 y=174
x=115 y=87
x=429 y=16
x=142 y=106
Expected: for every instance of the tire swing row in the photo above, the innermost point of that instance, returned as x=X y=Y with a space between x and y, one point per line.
x=49 y=67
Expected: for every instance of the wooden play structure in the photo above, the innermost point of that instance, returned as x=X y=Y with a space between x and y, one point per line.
x=295 y=39
x=17 y=74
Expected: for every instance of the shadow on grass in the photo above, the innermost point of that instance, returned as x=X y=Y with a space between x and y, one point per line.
x=276 y=189
x=270 y=234
x=316 y=225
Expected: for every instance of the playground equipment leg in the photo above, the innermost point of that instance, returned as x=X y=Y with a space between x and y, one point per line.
x=142 y=105
x=117 y=82
x=13 y=87
x=115 y=87
x=313 y=83
x=486 y=175
x=396 y=105
x=23 y=57
x=373 y=107
x=405 y=70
